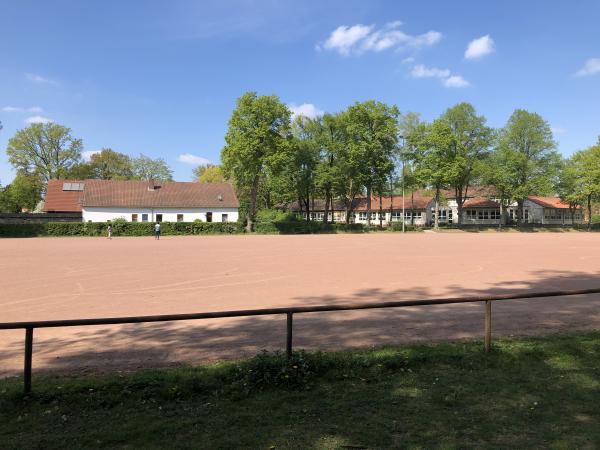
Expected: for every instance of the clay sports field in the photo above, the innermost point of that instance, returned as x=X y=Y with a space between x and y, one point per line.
x=62 y=278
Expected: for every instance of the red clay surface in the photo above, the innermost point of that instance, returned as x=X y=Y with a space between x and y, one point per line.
x=62 y=278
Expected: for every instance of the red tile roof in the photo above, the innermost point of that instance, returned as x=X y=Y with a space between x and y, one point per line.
x=480 y=202
x=58 y=200
x=125 y=194
x=550 y=202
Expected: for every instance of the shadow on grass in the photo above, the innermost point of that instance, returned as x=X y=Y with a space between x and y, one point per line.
x=528 y=393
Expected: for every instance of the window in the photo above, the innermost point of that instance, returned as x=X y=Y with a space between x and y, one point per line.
x=134 y=217
x=495 y=214
x=224 y=218
x=397 y=215
x=471 y=214
x=209 y=217
x=179 y=217
x=362 y=216
x=159 y=217
x=72 y=186
x=144 y=217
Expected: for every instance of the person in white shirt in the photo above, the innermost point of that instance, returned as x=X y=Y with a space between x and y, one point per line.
x=157 y=231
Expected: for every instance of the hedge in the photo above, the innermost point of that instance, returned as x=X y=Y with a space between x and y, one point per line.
x=305 y=227
x=119 y=228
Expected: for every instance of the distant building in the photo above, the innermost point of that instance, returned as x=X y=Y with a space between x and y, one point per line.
x=143 y=201
x=480 y=207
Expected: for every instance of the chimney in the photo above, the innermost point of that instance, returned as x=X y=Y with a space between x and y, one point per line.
x=153 y=185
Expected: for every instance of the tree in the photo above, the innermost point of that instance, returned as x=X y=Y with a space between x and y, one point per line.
x=23 y=193
x=496 y=171
x=145 y=168
x=256 y=143
x=111 y=165
x=433 y=158
x=372 y=138
x=209 y=173
x=581 y=178
x=529 y=156
x=470 y=145
x=47 y=149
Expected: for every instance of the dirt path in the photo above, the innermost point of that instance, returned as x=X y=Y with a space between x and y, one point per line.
x=60 y=278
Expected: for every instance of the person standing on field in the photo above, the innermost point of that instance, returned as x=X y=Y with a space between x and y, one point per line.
x=109 y=231
x=157 y=231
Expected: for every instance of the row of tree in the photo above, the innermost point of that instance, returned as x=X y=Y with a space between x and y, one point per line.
x=42 y=152
x=273 y=159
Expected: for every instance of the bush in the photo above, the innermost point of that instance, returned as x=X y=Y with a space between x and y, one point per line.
x=397 y=226
x=120 y=228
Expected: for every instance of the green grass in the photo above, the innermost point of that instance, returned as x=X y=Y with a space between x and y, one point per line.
x=528 y=393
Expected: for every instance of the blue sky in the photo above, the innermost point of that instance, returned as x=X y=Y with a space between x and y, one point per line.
x=161 y=78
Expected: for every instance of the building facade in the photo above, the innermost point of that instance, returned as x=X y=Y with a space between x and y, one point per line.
x=143 y=201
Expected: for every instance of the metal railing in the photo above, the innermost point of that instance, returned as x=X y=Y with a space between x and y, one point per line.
x=288 y=312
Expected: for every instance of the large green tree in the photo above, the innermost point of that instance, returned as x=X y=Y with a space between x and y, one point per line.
x=22 y=194
x=208 y=173
x=529 y=156
x=372 y=130
x=471 y=142
x=432 y=154
x=46 y=149
x=580 y=180
x=145 y=168
x=111 y=165
x=256 y=144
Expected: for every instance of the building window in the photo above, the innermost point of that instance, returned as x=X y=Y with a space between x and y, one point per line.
x=209 y=216
x=495 y=214
x=224 y=218
x=179 y=217
x=471 y=214
x=159 y=217
x=134 y=217
x=144 y=217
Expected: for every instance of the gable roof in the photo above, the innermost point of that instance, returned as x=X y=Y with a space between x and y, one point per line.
x=550 y=202
x=60 y=200
x=144 y=194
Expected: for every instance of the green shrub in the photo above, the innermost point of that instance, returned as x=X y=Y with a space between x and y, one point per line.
x=397 y=226
x=120 y=228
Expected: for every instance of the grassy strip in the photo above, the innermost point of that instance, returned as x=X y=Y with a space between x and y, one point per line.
x=528 y=393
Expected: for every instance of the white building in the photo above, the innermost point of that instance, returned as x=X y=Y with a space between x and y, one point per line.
x=144 y=201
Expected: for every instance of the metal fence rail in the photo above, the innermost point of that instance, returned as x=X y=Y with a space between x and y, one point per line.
x=288 y=312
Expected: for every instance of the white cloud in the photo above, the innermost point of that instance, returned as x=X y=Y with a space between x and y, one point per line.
x=357 y=39
x=20 y=109
x=558 y=130
x=456 y=81
x=343 y=38
x=87 y=155
x=480 y=47
x=194 y=160
x=35 y=78
x=444 y=75
x=38 y=119
x=305 y=109
x=420 y=71
x=591 y=67
x=408 y=60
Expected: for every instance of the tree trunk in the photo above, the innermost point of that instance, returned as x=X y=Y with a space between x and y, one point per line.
x=368 y=206
x=501 y=213
x=380 y=210
x=589 y=205
x=520 y=215
x=436 y=222
x=252 y=210
x=459 y=204
x=325 y=217
x=412 y=209
x=391 y=200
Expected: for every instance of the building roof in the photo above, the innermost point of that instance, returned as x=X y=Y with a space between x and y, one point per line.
x=416 y=202
x=63 y=196
x=550 y=202
x=144 y=194
x=480 y=202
